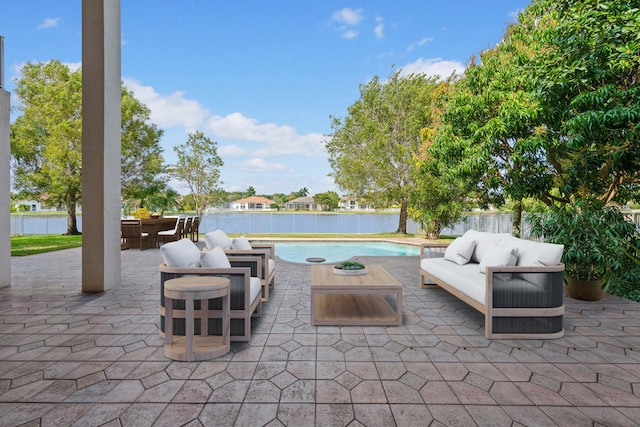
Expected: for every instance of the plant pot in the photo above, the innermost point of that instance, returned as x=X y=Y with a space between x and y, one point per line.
x=585 y=290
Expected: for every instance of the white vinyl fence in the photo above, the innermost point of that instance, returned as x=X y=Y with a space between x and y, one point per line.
x=294 y=223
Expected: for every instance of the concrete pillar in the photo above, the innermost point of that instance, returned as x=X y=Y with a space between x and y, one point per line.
x=100 y=145
x=5 y=185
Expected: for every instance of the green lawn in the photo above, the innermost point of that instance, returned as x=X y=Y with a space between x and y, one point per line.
x=29 y=245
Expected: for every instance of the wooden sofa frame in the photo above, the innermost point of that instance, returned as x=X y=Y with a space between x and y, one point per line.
x=490 y=312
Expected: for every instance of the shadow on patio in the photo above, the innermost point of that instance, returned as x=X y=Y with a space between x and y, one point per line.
x=68 y=358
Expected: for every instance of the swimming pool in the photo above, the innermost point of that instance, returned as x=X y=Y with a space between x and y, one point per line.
x=340 y=251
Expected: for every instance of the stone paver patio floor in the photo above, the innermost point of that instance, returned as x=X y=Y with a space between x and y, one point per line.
x=68 y=358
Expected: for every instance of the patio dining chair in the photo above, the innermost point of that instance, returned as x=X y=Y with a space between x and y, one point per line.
x=195 y=229
x=131 y=234
x=172 y=235
x=188 y=227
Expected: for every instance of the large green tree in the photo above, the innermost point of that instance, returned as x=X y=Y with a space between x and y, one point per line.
x=198 y=166
x=373 y=150
x=46 y=138
x=489 y=132
x=587 y=80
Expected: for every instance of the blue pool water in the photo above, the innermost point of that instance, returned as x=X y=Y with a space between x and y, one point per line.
x=340 y=251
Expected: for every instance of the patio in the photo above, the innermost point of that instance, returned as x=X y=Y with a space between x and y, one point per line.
x=68 y=358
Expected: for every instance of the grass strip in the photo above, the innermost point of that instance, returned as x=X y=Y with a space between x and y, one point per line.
x=30 y=245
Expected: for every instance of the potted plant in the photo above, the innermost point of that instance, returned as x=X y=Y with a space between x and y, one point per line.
x=594 y=236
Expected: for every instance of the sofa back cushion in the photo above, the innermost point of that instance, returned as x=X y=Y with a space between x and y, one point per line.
x=182 y=253
x=532 y=253
x=217 y=238
x=460 y=250
x=498 y=256
x=484 y=241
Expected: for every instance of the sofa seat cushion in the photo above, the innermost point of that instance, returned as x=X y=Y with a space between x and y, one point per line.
x=465 y=278
x=272 y=266
x=218 y=238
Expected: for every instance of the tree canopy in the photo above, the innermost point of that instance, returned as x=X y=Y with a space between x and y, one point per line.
x=142 y=165
x=198 y=165
x=46 y=139
x=551 y=112
x=373 y=150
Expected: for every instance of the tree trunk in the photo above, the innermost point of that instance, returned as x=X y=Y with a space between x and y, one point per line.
x=72 y=223
x=517 y=218
x=402 y=223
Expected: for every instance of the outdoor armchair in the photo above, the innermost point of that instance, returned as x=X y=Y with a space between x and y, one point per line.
x=260 y=257
x=184 y=258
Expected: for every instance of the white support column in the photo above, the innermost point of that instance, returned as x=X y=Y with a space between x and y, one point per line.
x=100 y=145
x=5 y=176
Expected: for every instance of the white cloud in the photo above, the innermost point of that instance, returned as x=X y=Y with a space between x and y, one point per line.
x=344 y=20
x=433 y=67
x=169 y=110
x=231 y=150
x=347 y=16
x=49 y=23
x=419 y=43
x=73 y=66
x=350 y=34
x=260 y=165
x=275 y=140
x=379 y=29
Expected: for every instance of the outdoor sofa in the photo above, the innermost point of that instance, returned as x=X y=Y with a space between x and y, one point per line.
x=516 y=283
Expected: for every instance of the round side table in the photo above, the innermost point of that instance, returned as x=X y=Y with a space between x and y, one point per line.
x=204 y=346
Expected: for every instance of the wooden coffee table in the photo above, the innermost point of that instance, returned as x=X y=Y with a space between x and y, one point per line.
x=355 y=300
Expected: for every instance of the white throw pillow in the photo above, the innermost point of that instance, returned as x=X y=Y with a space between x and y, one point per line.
x=241 y=244
x=214 y=258
x=460 y=250
x=182 y=253
x=217 y=238
x=497 y=256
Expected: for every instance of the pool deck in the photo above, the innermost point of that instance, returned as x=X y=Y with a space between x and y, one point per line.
x=68 y=358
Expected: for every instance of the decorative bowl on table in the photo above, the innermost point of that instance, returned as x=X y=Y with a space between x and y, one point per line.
x=349 y=268
x=154 y=216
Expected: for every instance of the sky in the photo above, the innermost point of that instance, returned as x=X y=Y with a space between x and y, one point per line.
x=261 y=78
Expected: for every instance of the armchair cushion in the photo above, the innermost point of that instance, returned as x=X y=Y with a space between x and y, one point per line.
x=181 y=253
x=217 y=238
x=241 y=244
x=214 y=258
x=255 y=285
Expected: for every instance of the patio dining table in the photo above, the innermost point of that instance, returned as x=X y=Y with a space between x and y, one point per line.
x=154 y=225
